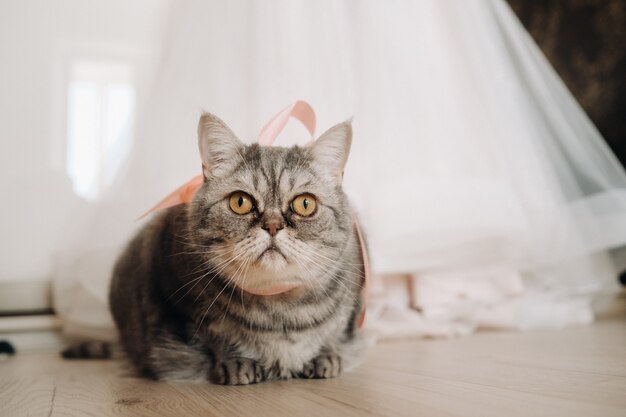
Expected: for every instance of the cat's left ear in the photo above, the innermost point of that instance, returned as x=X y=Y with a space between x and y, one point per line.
x=220 y=149
x=331 y=150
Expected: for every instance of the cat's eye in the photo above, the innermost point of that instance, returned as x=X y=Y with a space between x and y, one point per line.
x=240 y=202
x=304 y=205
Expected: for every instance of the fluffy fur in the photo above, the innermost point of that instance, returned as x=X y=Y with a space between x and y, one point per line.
x=177 y=292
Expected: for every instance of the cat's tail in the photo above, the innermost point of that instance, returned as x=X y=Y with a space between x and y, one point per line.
x=89 y=350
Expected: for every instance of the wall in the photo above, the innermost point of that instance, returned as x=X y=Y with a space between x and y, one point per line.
x=36 y=38
x=584 y=41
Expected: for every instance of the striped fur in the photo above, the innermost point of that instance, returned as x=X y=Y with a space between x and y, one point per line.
x=89 y=350
x=176 y=292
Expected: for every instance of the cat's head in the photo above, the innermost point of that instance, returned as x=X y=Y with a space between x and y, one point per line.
x=271 y=218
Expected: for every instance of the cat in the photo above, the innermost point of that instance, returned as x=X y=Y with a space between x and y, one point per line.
x=259 y=278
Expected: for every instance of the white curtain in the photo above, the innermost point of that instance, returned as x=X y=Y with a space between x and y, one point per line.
x=481 y=184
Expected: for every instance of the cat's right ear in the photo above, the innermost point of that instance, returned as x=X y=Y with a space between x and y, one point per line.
x=331 y=150
x=219 y=147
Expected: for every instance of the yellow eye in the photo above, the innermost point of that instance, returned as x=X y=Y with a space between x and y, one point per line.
x=240 y=202
x=304 y=205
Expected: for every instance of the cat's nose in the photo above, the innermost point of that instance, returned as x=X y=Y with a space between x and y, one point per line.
x=272 y=226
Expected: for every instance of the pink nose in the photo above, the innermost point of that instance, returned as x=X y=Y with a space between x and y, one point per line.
x=272 y=226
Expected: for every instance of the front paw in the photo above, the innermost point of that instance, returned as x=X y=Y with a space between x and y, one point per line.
x=326 y=365
x=237 y=371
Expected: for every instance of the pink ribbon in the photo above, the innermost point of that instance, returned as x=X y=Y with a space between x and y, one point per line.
x=182 y=195
x=300 y=110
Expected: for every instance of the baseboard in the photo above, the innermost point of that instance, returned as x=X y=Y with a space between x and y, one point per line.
x=23 y=297
x=32 y=333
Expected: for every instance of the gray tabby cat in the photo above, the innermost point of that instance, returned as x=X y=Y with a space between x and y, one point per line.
x=190 y=294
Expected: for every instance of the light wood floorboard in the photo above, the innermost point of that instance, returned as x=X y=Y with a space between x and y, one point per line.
x=578 y=371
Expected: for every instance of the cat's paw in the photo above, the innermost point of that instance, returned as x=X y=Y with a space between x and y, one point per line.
x=326 y=365
x=237 y=371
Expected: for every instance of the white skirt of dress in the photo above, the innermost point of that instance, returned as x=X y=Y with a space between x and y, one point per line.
x=476 y=175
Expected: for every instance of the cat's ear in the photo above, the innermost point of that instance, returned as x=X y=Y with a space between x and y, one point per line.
x=219 y=147
x=331 y=150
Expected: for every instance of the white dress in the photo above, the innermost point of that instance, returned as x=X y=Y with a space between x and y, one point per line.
x=476 y=175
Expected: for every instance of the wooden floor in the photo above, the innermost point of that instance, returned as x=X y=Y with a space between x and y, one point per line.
x=574 y=372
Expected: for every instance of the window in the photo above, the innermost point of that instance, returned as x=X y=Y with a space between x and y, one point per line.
x=101 y=108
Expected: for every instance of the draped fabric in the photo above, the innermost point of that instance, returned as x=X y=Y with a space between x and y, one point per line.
x=487 y=195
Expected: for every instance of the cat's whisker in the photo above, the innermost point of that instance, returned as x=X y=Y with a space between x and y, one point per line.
x=183 y=286
x=333 y=262
x=325 y=263
x=208 y=308
x=243 y=282
x=233 y=281
x=340 y=281
x=207 y=263
x=219 y=268
x=308 y=283
x=197 y=280
x=333 y=250
x=216 y=273
x=355 y=265
x=230 y=249
x=329 y=269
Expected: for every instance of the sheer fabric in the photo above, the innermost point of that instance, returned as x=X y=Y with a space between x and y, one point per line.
x=481 y=184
